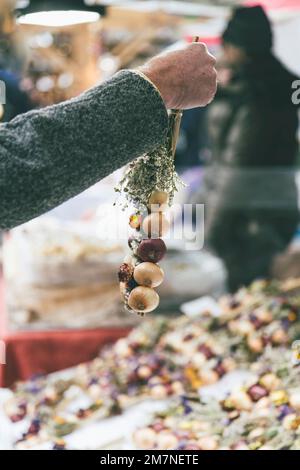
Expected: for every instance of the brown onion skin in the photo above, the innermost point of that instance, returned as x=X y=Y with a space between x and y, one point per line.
x=143 y=299
x=159 y=197
x=148 y=274
x=152 y=250
x=158 y=201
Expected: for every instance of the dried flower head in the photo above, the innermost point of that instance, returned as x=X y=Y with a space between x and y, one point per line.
x=153 y=172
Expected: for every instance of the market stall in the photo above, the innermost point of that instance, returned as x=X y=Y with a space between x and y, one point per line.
x=233 y=366
x=160 y=308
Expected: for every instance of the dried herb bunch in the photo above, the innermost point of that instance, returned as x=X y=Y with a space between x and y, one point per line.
x=154 y=171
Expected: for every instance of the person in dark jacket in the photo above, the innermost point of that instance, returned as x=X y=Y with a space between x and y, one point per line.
x=250 y=191
x=17 y=101
x=50 y=155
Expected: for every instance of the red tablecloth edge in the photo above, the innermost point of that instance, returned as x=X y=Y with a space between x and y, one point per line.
x=30 y=353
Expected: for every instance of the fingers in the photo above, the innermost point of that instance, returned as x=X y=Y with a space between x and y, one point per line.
x=205 y=74
x=213 y=60
x=201 y=49
x=186 y=78
x=214 y=84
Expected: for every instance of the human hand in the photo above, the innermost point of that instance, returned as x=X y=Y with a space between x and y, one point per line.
x=186 y=78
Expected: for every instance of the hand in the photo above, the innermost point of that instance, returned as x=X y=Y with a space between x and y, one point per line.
x=186 y=78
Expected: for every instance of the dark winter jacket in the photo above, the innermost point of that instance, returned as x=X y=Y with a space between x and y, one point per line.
x=250 y=190
x=17 y=101
x=50 y=155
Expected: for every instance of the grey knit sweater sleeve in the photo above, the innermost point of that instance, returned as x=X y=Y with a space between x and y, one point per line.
x=50 y=155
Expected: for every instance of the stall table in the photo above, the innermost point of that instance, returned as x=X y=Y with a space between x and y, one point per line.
x=29 y=353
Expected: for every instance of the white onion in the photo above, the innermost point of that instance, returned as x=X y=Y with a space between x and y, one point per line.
x=207 y=443
x=148 y=275
x=156 y=225
x=145 y=438
x=158 y=201
x=143 y=299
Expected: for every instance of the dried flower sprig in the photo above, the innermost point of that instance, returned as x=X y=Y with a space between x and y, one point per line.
x=154 y=171
x=149 y=184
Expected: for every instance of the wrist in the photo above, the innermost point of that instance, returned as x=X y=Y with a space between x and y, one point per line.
x=157 y=83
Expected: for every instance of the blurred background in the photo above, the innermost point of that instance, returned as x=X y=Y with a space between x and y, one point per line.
x=239 y=156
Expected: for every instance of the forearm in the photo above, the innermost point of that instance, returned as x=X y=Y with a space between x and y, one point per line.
x=49 y=156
